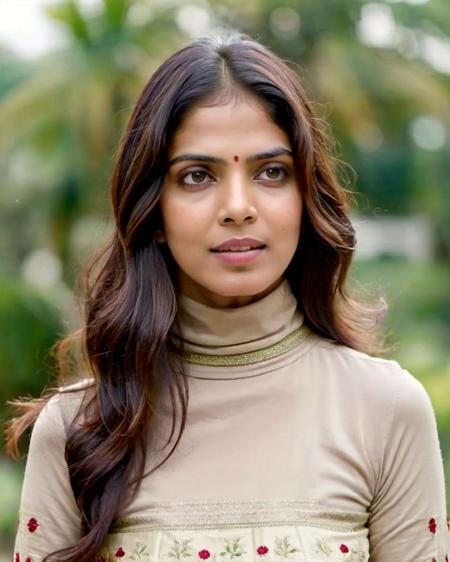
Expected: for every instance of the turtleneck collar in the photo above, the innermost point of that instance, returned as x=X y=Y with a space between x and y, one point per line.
x=229 y=331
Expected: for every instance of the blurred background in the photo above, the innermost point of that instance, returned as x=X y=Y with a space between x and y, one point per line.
x=70 y=72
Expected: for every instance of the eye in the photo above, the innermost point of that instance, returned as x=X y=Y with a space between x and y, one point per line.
x=196 y=177
x=273 y=173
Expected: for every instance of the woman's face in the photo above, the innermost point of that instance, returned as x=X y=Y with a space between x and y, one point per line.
x=231 y=206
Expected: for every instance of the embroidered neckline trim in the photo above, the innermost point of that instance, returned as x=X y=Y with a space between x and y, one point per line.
x=239 y=359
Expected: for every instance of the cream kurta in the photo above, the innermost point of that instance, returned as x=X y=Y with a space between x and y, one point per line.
x=295 y=449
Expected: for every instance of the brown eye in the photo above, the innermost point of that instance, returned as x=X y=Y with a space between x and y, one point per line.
x=273 y=173
x=196 y=177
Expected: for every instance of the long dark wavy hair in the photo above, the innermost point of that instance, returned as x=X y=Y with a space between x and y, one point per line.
x=131 y=300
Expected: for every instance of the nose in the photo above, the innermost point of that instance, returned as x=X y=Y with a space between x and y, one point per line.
x=237 y=205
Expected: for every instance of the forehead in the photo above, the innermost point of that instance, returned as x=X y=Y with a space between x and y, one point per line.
x=241 y=125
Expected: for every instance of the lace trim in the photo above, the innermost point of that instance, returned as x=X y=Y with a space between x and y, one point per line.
x=286 y=344
x=230 y=514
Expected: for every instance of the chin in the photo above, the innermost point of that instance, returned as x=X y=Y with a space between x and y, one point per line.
x=227 y=290
x=246 y=289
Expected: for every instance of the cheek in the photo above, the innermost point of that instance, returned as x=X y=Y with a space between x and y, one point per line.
x=295 y=209
x=186 y=219
x=286 y=216
x=182 y=228
x=290 y=228
x=293 y=221
x=173 y=218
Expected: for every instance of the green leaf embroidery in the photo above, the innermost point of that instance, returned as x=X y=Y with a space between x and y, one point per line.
x=139 y=551
x=233 y=548
x=358 y=554
x=180 y=549
x=283 y=547
x=323 y=548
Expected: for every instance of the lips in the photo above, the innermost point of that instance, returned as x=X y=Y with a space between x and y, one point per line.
x=239 y=245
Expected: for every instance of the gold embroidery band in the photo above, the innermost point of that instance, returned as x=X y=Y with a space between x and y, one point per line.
x=208 y=515
x=286 y=344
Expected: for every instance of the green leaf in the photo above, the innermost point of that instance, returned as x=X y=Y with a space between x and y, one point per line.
x=116 y=12
x=69 y=14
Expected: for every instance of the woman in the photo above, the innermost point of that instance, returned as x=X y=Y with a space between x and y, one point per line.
x=230 y=409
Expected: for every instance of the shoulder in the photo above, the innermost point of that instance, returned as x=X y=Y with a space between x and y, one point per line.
x=59 y=412
x=381 y=383
x=72 y=397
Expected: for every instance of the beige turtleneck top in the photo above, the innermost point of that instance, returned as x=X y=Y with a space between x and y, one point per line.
x=295 y=449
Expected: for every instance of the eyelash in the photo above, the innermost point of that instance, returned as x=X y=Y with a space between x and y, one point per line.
x=182 y=178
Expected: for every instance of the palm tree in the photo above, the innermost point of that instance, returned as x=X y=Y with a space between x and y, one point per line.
x=60 y=126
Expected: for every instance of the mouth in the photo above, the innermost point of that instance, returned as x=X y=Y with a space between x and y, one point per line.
x=237 y=245
x=240 y=249
x=239 y=255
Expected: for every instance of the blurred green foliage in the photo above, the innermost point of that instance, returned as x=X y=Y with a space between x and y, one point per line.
x=418 y=299
x=30 y=324
x=62 y=116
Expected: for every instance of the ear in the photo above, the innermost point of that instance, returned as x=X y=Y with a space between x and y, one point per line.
x=159 y=236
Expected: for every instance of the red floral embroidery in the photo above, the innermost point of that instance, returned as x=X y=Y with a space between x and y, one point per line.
x=119 y=553
x=344 y=548
x=432 y=525
x=17 y=557
x=262 y=550
x=204 y=554
x=32 y=525
x=28 y=559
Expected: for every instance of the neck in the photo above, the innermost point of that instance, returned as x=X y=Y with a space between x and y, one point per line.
x=214 y=330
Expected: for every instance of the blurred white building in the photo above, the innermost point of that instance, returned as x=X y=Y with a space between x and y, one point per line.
x=409 y=236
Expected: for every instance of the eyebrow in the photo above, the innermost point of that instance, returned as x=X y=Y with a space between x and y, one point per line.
x=279 y=151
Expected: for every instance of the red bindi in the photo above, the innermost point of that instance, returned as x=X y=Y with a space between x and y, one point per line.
x=236 y=158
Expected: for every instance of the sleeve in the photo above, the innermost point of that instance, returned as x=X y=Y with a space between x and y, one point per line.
x=49 y=518
x=408 y=513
